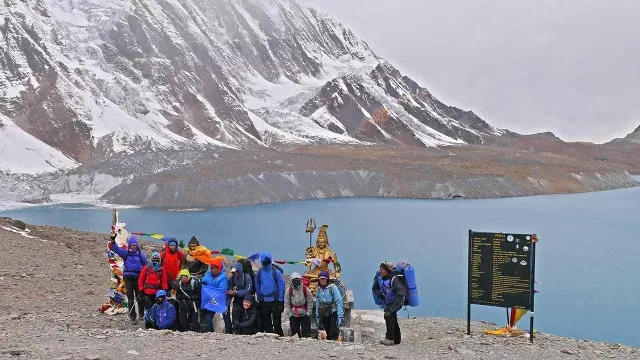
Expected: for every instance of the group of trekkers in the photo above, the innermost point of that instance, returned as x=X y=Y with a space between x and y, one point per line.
x=254 y=301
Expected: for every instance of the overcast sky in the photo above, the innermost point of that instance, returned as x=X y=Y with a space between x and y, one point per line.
x=567 y=66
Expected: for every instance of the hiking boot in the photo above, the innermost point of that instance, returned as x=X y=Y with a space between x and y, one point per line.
x=386 y=342
x=134 y=321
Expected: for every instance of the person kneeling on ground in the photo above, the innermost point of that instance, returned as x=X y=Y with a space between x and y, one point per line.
x=152 y=279
x=163 y=313
x=188 y=296
x=390 y=293
x=298 y=301
x=246 y=322
x=329 y=310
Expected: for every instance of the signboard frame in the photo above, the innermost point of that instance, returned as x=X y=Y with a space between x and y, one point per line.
x=532 y=267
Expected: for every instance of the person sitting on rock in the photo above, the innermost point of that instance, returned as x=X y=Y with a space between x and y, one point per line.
x=196 y=267
x=298 y=302
x=172 y=258
x=162 y=313
x=240 y=285
x=188 y=291
x=152 y=279
x=247 y=321
x=134 y=261
x=329 y=308
x=389 y=292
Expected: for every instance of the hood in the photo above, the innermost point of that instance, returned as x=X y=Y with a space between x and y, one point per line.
x=184 y=272
x=133 y=241
x=169 y=242
x=266 y=255
x=238 y=267
x=161 y=293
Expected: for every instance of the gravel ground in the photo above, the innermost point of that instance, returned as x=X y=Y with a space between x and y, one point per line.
x=53 y=281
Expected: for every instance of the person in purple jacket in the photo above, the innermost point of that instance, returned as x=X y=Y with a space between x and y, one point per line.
x=134 y=261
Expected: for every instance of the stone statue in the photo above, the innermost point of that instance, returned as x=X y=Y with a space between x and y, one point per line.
x=315 y=259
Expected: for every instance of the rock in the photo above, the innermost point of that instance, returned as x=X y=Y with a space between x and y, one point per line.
x=567 y=351
x=15 y=316
x=166 y=332
x=133 y=352
x=74 y=326
x=390 y=357
x=465 y=351
x=100 y=337
x=92 y=357
x=89 y=292
x=19 y=224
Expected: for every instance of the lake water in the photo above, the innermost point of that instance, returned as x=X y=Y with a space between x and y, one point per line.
x=586 y=263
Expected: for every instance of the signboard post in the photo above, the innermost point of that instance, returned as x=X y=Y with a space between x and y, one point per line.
x=501 y=272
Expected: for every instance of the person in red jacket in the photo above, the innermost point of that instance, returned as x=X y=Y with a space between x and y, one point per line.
x=153 y=278
x=172 y=259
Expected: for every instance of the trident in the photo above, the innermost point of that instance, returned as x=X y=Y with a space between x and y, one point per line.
x=310 y=228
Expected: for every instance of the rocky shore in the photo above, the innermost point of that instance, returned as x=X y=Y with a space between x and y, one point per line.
x=54 y=279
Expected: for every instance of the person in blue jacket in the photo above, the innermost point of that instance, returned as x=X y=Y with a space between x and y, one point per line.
x=134 y=260
x=163 y=313
x=270 y=288
x=329 y=307
x=240 y=285
x=216 y=278
x=389 y=293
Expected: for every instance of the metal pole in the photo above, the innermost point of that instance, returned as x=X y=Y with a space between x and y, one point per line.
x=469 y=286
x=532 y=286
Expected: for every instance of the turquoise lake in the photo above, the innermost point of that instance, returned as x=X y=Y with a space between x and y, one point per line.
x=587 y=262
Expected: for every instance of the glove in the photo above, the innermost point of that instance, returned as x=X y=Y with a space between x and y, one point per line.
x=280 y=306
x=340 y=322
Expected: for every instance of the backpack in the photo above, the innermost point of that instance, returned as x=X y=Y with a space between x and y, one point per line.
x=304 y=291
x=303 y=306
x=399 y=274
x=403 y=281
x=158 y=275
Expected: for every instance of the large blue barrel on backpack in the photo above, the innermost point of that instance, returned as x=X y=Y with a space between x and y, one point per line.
x=412 y=286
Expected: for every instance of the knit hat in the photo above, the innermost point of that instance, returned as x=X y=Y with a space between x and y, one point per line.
x=248 y=297
x=194 y=241
x=184 y=272
x=217 y=263
x=388 y=266
x=174 y=241
x=155 y=256
x=323 y=274
x=295 y=275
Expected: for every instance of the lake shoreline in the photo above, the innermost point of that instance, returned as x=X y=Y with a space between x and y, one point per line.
x=96 y=200
x=77 y=331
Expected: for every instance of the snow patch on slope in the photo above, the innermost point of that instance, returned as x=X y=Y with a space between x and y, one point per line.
x=25 y=154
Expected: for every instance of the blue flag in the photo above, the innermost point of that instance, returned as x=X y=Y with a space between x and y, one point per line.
x=213 y=299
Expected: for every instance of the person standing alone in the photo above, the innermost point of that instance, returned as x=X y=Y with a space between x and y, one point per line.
x=389 y=291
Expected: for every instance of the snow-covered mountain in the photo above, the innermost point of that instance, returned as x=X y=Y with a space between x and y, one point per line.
x=82 y=80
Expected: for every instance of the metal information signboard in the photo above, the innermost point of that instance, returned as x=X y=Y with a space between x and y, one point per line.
x=501 y=271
